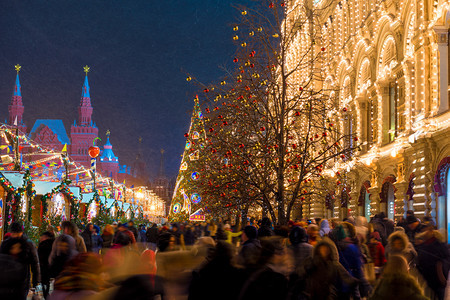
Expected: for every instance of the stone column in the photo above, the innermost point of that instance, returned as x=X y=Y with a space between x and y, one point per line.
x=442 y=40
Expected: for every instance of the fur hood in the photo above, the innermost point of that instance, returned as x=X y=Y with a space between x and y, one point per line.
x=326 y=241
x=397 y=286
x=398 y=235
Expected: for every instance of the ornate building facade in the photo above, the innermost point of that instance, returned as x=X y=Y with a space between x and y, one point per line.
x=388 y=62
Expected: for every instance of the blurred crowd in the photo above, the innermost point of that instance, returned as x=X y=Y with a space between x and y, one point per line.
x=306 y=259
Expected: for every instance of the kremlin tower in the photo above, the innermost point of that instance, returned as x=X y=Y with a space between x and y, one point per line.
x=16 y=108
x=83 y=133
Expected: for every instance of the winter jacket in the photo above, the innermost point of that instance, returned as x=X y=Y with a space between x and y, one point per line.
x=107 y=240
x=134 y=231
x=87 y=237
x=44 y=251
x=79 y=244
x=217 y=279
x=361 y=228
x=97 y=243
x=28 y=258
x=396 y=287
x=57 y=258
x=350 y=258
x=407 y=252
x=142 y=238
x=324 y=228
x=189 y=237
x=377 y=253
x=300 y=249
x=152 y=234
x=429 y=254
x=230 y=235
x=12 y=275
x=264 y=284
x=249 y=254
x=321 y=279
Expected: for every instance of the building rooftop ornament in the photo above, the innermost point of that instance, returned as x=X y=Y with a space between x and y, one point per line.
x=108 y=154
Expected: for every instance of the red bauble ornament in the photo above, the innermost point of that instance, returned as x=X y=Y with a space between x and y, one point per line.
x=206 y=90
x=94 y=151
x=282 y=4
x=323 y=49
x=344 y=109
x=271 y=5
x=186 y=135
x=235 y=60
x=263 y=128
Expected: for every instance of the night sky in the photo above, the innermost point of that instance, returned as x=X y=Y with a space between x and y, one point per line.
x=139 y=52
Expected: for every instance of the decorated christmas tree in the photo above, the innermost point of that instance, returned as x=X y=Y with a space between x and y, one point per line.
x=187 y=199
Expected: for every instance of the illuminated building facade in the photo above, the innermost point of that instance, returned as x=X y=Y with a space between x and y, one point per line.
x=388 y=62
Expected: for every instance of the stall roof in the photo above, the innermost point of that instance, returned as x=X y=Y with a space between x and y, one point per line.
x=44 y=187
x=15 y=178
x=109 y=202
x=76 y=191
x=86 y=197
x=126 y=206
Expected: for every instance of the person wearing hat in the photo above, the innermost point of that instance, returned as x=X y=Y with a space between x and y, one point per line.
x=229 y=234
x=21 y=250
x=413 y=227
x=432 y=259
x=250 y=250
x=376 y=250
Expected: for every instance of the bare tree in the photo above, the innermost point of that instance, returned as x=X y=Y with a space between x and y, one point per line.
x=272 y=123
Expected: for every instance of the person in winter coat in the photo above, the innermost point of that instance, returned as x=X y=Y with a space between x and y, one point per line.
x=395 y=282
x=63 y=250
x=230 y=234
x=384 y=226
x=44 y=251
x=189 y=236
x=11 y=278
x=361 y=228
x=413 y=227
x=72 y=230
x=97 y=241
x=270 y=281
x=322 y=277
x=107 y=237
x=133 y=229
x=208 y=280
x=376 y=249
x=266 y=228
x=300 y=249
x=87 y=236
x=433 y=260
x=152 y=236
x=324 y=228
x=250 y=251
x=80 y=279
x=22 y=250
x=398 y=244
x=142 y=238
x=313 y=234
x=350 y=257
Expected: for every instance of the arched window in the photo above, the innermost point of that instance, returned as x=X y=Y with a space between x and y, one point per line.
x=387 y=62
x=347 y=115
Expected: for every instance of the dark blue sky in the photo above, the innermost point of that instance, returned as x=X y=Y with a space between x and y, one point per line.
x=138 y=51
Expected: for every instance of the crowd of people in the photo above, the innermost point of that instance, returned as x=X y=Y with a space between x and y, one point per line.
x=306 y=259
